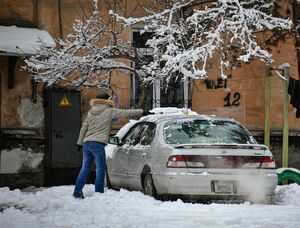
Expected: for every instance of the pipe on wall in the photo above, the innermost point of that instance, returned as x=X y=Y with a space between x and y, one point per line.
x=60 y=19
x=35 y=12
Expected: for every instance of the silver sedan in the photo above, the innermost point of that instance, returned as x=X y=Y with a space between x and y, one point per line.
x=195 y=156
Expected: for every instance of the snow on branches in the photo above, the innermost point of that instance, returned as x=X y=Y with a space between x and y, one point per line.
x=187 y=36
x=185 y=40
x=84 y=58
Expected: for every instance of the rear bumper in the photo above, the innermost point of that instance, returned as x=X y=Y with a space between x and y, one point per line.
x=257 y=184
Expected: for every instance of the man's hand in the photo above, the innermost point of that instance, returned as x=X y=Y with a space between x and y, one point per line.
x=79 y=148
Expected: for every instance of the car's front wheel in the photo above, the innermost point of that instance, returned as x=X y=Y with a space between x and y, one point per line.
x=148 y=186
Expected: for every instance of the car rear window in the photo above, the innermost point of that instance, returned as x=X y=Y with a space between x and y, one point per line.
x=206 y=131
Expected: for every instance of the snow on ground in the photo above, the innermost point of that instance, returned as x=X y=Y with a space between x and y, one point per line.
x=55 y=207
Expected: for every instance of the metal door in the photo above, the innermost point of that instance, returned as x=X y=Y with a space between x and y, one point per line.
x=65 y=124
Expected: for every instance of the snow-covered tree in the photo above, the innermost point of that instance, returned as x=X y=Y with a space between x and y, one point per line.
x=87 y=56
x=190 y=34
x=187 y=36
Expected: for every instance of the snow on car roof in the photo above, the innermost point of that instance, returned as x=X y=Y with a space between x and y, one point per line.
x=175 y=113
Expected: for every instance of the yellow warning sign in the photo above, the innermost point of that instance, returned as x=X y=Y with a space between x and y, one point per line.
x=64 y=101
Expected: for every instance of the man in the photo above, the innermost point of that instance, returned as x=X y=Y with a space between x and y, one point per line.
x=94 y=135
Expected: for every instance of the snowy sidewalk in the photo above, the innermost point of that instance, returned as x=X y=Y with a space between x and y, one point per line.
x=55 y=207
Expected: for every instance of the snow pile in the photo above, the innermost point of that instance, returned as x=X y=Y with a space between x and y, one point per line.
x=281 y=170
x=289 y=195
x=55 y=207
x=17 y=160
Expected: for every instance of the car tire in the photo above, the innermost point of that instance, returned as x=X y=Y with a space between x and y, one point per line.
x=148 y=186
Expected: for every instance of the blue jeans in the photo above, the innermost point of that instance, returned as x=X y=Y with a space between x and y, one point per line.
x=92 y=151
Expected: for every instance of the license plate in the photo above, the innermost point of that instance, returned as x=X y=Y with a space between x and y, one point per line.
x=223 y=186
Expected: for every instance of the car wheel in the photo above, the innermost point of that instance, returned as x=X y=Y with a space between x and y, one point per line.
x=148 y=186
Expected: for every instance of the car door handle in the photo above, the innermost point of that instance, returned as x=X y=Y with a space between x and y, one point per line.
x=144 y=155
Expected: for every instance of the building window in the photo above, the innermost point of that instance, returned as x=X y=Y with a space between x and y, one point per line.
x=159 y=94
x=175 y=94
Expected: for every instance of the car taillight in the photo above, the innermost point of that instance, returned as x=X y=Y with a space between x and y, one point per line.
x=184 y=161
x=268 y=162
x=176 y=161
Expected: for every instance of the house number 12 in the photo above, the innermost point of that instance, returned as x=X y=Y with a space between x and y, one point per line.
x=235 y=101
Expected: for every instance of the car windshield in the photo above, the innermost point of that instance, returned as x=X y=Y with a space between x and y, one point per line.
x=206 y=131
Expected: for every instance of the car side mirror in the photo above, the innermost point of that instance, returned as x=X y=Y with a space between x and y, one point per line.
x=115 y=140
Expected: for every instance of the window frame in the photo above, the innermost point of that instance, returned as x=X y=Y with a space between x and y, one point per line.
x=157 y=84
x=140 y=132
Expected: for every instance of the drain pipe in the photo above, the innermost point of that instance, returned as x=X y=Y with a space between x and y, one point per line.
x=35 y=14
x=60 y=19
x=285 y=136
x=268 y=75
